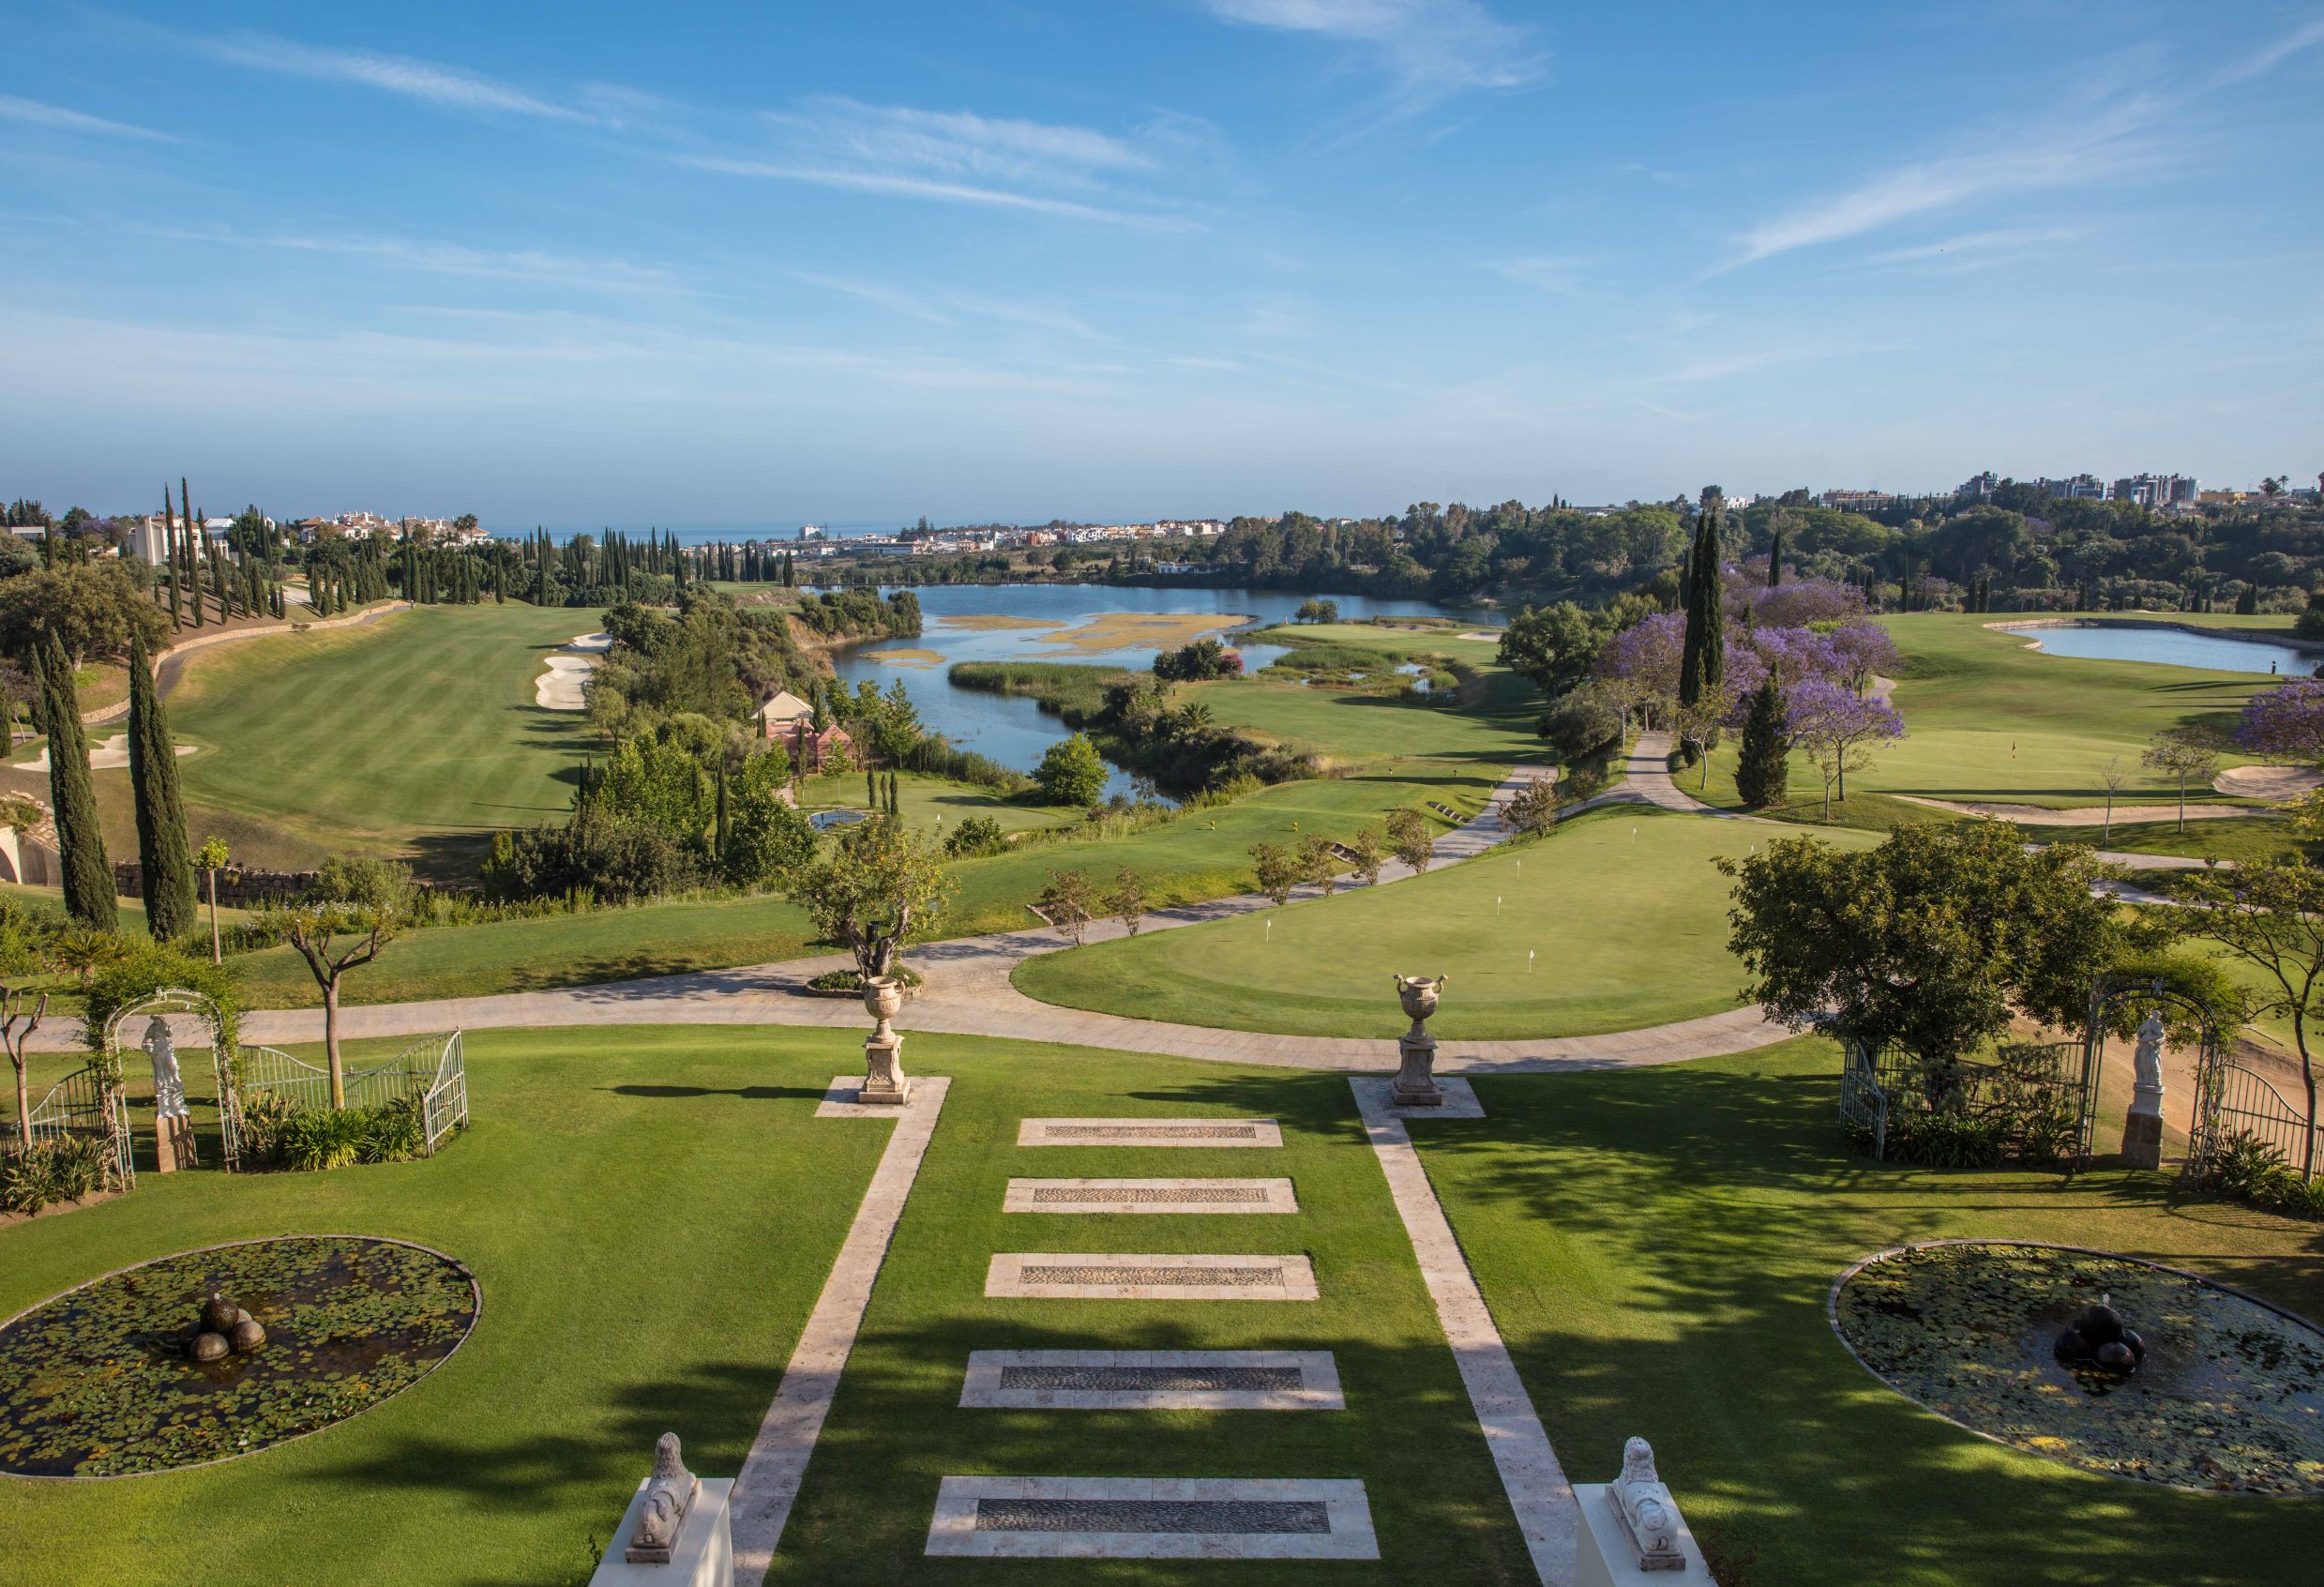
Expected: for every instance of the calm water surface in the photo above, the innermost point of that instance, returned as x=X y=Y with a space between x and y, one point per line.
x=1013 y=732
x=2174 y=647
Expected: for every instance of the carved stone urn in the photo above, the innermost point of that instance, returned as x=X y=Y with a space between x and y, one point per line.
x=883 y=1050
x=1416 y=1085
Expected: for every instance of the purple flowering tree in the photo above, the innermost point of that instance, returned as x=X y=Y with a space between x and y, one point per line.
x=1795 y=606
x=2285 y=720
x=1639 y=667
x=1839 y=729
x=1860 y=650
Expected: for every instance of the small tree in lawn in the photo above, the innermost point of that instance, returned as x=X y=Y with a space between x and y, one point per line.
x=1371 y=853
x=1764 y=765
x=1839 y=731
x=2111 y=775
x=1071 y=772
x=1533 y=808
x=211 y=858
x=2268 y=914
x=2181 y=753
x=1411 y=838
x=1278 y=870
x=880 y=885
x=1126 y=900
x=1068 y=902
x=1318 y=864
x=16 y=1026
x=355 y=908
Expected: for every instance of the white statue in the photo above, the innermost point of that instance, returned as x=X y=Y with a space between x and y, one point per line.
x=2147 y=1066
x=169 y=1086
x=1644 y=1507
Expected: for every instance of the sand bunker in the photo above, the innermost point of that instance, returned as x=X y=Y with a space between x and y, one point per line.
x=2079 y=815
x=2267 y=782
x=559 y=689
x=105 y=755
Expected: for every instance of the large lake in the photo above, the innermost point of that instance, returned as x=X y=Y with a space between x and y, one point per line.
x=1013 y=732
x=2172 y=647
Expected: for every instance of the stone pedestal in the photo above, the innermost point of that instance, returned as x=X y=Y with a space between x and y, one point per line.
x=883 y=1071
x=1608 y=1556
x=702 y=1556
x=174 y=1143
x=2142 y=1139
x=1416 y=1085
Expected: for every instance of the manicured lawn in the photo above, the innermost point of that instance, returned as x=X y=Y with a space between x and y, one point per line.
x=898 y=1429
x=416 y=735
x=1656 y=1247
x=1362 y=727
x=1987 y=719
x=650 y=1213
x=1622 y=910
x=933 y=805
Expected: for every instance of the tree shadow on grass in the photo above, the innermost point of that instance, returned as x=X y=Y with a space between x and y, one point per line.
x=1657 y=1246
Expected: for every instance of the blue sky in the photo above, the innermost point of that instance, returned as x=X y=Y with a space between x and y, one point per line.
x=755 y=264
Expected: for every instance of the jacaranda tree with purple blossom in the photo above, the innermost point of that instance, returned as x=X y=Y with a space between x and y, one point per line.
x=1839 y=729
x=2285 y=720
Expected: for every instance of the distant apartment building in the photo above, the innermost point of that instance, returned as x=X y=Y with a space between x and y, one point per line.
x=812 y=532
x=2082 y=487
x=1979 y=487
x=2157 y=490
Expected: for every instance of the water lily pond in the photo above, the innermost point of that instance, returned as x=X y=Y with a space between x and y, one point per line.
x=2230 y=1398
x=96 y=1382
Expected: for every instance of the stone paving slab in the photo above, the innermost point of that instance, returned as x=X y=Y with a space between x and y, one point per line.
x=842 y=1100
x=1153 y=1380
x=1163 y=1275
x=1175 y=1131
x=1153 y=1518
x=1150 y=1196
x=768 y=1484
x=1538 y=1491
x=1461 y=1098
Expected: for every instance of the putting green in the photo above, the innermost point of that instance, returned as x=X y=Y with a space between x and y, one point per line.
x=1613 y=922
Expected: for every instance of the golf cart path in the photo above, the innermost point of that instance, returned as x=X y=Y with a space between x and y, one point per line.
x=968 y=993
x=2079 y=815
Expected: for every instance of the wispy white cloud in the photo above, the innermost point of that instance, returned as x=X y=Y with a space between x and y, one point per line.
x=951 y=307
x=1432 y=47
x=451 y=86
x=895 y=184
x=910 y=305
x=1551 y=272
x=2007 y=240
x=2118 y=126
x=514 y=264
x=65 y=120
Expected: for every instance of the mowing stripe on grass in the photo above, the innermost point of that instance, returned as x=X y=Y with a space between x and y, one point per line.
x=768 y=1484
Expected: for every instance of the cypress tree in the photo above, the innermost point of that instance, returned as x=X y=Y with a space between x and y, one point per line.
x=169 y=554
x=1713 y=591
x=1775 y=560
x=871 y=790
x=1763 y=767
x=193 y=548
x=717 y=835
x=164 y=860
x=88 y=873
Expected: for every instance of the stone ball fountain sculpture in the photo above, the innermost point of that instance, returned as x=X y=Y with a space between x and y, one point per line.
x=2097 y=1339
x=223 y=1329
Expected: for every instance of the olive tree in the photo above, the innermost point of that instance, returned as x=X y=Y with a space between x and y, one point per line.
x=880 y=886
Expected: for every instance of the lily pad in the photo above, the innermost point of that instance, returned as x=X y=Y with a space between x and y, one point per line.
x=2229 y=1399
x=96 y=1382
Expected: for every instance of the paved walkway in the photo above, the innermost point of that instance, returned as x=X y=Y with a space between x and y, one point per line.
x=969 y=991
x=1536 y=1483
x=768 y=1484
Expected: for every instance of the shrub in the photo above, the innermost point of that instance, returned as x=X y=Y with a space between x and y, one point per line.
x=976 y=836
x=852 y=981
x=1071 y=773
x=63 y=1169
x=276 y=1135
x=2251 y=1170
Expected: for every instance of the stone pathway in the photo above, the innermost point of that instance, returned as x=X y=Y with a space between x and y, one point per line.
x=1530 y=1471
x=768 y=1484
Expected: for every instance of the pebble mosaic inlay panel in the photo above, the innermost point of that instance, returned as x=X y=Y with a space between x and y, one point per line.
x=1153 y=1380
x=1152 y=1518
x=1164 y=1196
x=1108 y=1276
x=1148 y=1132
x=2231 y=1397
x=1151 y=1515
